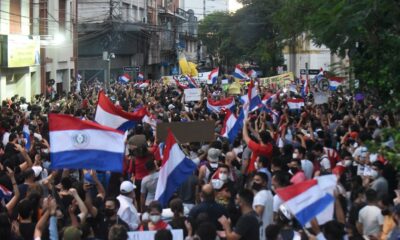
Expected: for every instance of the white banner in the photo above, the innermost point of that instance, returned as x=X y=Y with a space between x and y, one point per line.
x=192 y=94
x=177 y=234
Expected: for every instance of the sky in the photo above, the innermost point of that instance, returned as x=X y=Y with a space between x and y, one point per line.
x=234 y=5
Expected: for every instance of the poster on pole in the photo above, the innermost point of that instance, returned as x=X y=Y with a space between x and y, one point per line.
x=192 y=94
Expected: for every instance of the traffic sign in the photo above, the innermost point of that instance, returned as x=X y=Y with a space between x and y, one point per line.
x=128 y=69
x=310 y=71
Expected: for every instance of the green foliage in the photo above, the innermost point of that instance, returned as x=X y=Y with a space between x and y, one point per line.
x=368 y=31
x=248 y=35
x=392 y=152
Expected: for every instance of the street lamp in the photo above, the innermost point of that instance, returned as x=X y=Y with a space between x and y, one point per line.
x=107 y=68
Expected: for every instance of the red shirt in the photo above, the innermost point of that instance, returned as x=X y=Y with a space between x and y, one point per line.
x=258 y=150
x=298 y=177
x=140 y=169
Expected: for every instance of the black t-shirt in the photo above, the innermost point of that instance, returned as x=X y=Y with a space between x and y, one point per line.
x=248 y=226
x=27 y=230
x=101 y=225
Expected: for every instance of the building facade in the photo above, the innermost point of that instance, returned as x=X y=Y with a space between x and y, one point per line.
x=36 y=46
x=202 y=8
x=305 y=51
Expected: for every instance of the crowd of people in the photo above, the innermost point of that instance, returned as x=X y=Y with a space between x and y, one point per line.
x=231 y=195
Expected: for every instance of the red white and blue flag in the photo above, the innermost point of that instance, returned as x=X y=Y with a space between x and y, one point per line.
x=5 y=193
x=218 y=105
x=254 y=98
x=252 y=73
x=109 y=115
x=308 y=199
x=175 y=170
x=295 y=103
x=81 y=144
x=335 y=82
x=239 y=73
x=213 y=77
x=124 y=78
x=232 y=125
x=140 y=76
x=191 y=82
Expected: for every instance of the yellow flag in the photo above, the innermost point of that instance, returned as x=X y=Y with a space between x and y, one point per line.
x=193 y=70
x=184 y=65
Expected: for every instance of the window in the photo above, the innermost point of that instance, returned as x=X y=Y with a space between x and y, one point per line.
x=15 y=16
x=43 y=17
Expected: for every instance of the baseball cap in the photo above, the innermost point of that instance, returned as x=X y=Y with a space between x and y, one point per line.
x=37 y=170
x=171 y=106
x=72 y=233
x=213 y=154
x=127 y=187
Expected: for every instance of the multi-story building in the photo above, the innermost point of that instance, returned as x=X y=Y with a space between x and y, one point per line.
x=117 y=28
x=36 y=46
x=305 y=51
x=202 y=8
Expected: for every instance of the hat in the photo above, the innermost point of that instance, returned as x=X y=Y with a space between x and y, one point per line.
x=72 y=233
x=37 y=170
x=171 y=106
x=213 y=154
x=38 y=136
x=127 y=187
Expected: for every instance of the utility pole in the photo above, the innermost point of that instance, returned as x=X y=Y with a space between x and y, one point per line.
x=204 y=9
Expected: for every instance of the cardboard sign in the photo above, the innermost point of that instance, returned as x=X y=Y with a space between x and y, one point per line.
x=186 y=132
x=280 y=81
x=177 y=234
x=192 y=94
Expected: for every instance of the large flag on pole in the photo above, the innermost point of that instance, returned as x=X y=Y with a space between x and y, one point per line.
x=218 y=105
x=81 y=144
x=109 y=115
x=175 y=170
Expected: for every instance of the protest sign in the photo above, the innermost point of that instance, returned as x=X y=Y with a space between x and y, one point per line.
x=185 y=132
x=192 y=94
x=320 y=98
x=280 y=81
x=177 y=234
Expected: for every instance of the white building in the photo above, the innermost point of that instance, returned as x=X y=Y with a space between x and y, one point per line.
x=36 y=45
x=205 y=7
x=317 y=57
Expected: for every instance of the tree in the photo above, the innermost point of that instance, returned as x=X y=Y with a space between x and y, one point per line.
x=248 y=35
x=368 y=31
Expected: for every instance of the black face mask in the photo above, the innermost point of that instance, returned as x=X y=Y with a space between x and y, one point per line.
x=257 y=186
x=294 y=170
x=109 y=212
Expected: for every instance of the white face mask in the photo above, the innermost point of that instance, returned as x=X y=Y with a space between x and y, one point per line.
x=155 y=218
x=295 y=155
x=374 y=174
x=223 y=176
x=214 y=165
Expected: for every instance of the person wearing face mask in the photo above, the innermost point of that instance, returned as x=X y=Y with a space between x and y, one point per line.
x=306 y=165
x=247 y=227
x=107 y=218
x=263 y=201
x=207 y=170
x=298 y=175
x=127 y=211
x=155 y=222
x=379 y=183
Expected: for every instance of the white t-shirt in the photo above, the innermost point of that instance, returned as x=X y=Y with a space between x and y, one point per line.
x=325 y=163
x=371 y=219
x=307 y=167
x=277 y=203
x=264 y=198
